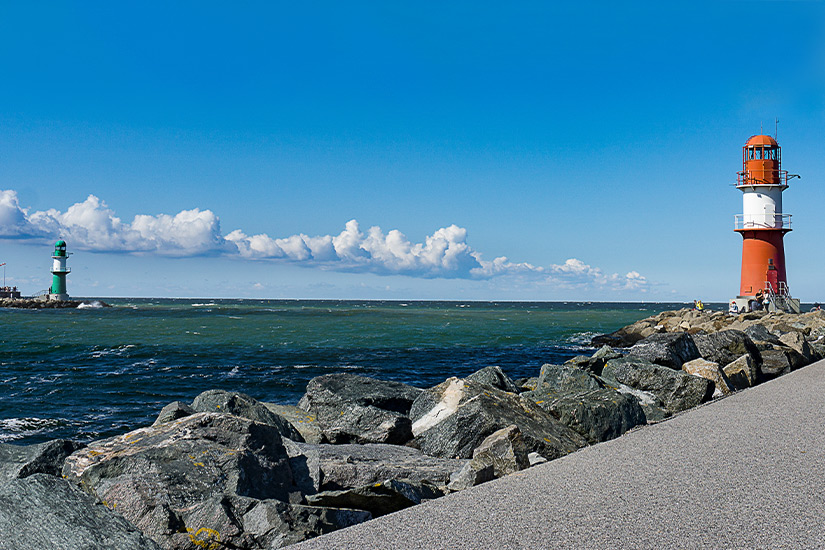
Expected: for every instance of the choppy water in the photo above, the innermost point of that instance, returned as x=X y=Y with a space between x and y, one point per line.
x=92 y=372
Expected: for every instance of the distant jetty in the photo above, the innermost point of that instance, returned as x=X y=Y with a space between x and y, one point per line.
x=35 y=303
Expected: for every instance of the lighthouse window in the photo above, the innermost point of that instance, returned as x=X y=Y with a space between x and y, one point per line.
x=770 y=154
x=755 y=153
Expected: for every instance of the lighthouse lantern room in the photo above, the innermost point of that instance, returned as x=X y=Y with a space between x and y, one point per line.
x=763 y=226
x=59 y=272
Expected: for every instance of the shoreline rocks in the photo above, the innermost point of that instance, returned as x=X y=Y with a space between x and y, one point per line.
x=32 y=303
x=229 y=471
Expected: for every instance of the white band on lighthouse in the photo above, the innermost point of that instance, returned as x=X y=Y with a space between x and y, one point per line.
x=762 y=207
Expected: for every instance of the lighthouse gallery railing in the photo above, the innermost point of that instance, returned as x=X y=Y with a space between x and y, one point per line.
x=761 y=221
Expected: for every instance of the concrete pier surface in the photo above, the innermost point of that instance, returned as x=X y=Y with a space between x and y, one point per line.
x=747 y=471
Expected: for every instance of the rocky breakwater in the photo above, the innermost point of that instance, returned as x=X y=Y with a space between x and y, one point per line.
x=734 y=351
x=227 y=471
x=31 y=303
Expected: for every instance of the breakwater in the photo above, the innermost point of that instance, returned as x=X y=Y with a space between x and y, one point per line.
x=32 y=303
x=236 y=471
x=93 y=372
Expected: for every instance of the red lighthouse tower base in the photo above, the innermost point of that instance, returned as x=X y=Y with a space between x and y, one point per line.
x=761 y=249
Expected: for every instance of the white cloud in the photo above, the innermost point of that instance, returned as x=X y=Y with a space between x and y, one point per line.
x=574 y=273
x=92 y=225
x=443 y=254
x=13 y=222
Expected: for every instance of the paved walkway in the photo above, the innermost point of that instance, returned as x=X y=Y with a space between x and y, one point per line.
x=747 y=471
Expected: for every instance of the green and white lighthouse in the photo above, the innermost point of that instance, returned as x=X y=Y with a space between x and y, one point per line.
x=59 y=272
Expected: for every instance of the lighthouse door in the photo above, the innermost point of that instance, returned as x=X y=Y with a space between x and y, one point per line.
x=772 y=277
x=770 y=214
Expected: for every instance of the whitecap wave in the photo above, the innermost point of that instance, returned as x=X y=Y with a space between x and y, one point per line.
x=91 y=305
x=17 y=428
x=120 y=350
x=582 y=338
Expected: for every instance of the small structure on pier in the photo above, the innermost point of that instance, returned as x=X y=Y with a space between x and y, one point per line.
x=9 y=292
x=763 y=225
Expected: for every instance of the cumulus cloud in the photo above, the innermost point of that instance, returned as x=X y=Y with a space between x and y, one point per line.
x=13 y=222
x=92 y=225
x=574 y=273
x=445 y=253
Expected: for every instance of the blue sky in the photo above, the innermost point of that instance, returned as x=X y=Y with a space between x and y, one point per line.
x=212 y=151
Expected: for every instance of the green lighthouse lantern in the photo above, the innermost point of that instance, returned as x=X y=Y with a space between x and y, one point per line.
x=59 y=272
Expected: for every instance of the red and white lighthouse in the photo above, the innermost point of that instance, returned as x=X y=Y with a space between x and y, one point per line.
x=763 y=226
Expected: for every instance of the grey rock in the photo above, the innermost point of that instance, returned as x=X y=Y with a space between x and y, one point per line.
x=726 y=346
x=760 y=333
x=797 y=342
x=352 y=408
x=596 y=362
x=566 y=379
x=239 y=404
x=473 y=474
x=580 y=362
x=744 y=372
x=453 y=418
x=247 y=523
x=43 y=511
x=500 y=454
x=19 y=461
x=495 y=377
x=655 y=413
x=536 y=459
x=173 y=411
x=304 y=422
x=818 y=348
x=711 y=370
x=379 y=498
x=306 y=468
x=776 y=362
x=332 y=390
x=337 y=467
x=670 y=349
x=625 y=336
x=600 y=359
x=358 y=424
x=677 y=390
x=275 y=524
x=598 y=415
x=527 y=384
x=155 y=476
x=505 y=450
x=606 y=353
x=652 y=406
x=784 y=325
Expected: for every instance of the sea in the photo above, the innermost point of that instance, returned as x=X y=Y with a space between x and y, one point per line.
x=95 y=372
